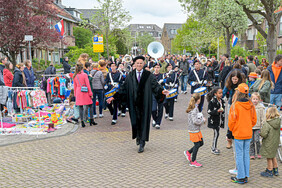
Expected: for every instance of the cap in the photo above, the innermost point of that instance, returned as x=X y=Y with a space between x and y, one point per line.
x=139 y=57
x=243 y=88
x=253 y=75
x=157 y=64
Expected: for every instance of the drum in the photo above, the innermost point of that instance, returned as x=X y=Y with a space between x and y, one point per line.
x=172 y=93
x=202 y=91
x=111 y=93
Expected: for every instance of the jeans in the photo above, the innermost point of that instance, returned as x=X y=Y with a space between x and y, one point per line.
x=276 y=99
x=184 y=79
x=195 y=148
x=255 y=143
x=242 y=148
x=100 y=94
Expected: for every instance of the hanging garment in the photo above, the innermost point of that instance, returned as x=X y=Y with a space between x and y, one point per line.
x=39 y=98
x=3 y=94
x=63 y=86
x=9 y=103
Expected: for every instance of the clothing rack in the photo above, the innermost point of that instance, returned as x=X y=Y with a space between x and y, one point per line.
x=53 y=75
x=23 y=88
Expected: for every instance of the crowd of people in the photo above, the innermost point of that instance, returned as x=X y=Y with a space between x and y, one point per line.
x=241 y=89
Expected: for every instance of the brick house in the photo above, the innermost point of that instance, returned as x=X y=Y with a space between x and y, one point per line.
x=168 y=34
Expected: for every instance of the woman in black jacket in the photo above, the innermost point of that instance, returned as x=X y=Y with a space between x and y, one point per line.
x=19 y=78
x=66 y=65
x=225 y=71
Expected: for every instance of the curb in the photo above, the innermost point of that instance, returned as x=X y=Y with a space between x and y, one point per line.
x=74 y=129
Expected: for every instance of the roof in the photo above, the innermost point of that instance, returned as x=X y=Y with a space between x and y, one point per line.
x=135 y=27
x=170 y=26
x=88 y=13
x=62 y=13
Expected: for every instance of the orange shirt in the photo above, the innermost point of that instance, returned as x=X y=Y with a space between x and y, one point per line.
x=241 y=120
x=276 y=71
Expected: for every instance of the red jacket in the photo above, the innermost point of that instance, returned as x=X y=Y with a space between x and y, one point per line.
x=8 y=77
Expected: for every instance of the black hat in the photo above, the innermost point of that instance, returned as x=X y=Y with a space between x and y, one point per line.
x=157 y=64
x=139 y=57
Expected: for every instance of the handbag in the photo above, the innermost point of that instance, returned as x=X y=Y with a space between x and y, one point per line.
x=84 y=89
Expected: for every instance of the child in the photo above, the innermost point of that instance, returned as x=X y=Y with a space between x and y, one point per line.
x=242 y=117
x=252 y=78
x=256 y=129
x=270 y=133
x=216 y=115
x=195 y=120
x=72 y=114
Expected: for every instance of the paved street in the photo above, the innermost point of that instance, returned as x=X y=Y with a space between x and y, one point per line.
x=106 y=156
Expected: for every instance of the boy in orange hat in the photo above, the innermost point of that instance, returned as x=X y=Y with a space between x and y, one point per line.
x=242 y=118
x=252 y=78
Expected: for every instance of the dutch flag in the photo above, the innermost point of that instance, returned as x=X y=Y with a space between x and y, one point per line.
x=60 y=27
x=234 y=40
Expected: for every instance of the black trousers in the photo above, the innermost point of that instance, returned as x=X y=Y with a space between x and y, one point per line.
x=113 y=107
x=215 y=137
x=169 y=106
x=195 y=148
x=157 y=111
x=122 y=108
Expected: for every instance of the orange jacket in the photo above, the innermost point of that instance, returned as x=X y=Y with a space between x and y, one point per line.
x=241 y=120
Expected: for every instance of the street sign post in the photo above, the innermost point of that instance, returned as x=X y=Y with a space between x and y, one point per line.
x=98 y=43
x=29 y=38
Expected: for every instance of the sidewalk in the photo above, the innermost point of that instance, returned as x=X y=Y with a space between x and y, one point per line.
x=65 y=129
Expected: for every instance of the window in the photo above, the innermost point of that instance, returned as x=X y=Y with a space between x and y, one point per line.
x=141 y=27
x=69 y=28
x=160 y=34
x=250 y=34
x=151 y=33
x=149 y=27
x=173 y=31
x=280 y=30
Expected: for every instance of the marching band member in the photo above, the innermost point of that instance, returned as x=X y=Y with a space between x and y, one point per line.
x=122 y=108
x=197 y=78
x=157 y=108
x=171 y=83
x=112 y=81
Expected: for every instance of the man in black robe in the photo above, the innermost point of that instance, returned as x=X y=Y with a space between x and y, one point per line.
x=137 y=92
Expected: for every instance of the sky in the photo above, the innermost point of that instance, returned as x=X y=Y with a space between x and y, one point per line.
x=142 y=11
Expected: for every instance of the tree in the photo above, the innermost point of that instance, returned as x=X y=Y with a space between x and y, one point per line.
x=220 y=16
x=144 y=40
x=120 y=41
x=267 y=10
x=22 y=17
x=82 y=36
x=112 y=15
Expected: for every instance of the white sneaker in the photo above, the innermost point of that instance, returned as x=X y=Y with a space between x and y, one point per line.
x=157 y=127
x=233 y=171
x=170 y=118
x=114 y=122
x=153 y=123
x=185 y=92
x=127 y=109
x=182 y=92
x=123 y=115
x=101 y=115
x=175 y=100
x=166 y=116
x=95 y=116
x=119 y=112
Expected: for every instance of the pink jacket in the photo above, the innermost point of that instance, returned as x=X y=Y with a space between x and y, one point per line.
x=82 y=98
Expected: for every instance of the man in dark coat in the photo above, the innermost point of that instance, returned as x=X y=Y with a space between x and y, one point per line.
x=137 y=92
x=66 y=65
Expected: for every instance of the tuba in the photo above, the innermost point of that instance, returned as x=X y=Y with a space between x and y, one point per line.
x=127 y=59
x=155 y=50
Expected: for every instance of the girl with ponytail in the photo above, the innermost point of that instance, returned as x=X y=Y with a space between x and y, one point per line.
x=195 y=120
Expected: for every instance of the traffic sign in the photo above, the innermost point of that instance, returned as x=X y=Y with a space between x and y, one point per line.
x=28 y=38
x=98 y=43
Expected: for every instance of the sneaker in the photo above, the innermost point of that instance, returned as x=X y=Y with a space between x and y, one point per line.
x=275 y=171
x=95 y=116
x=153 y=123
x=119 y=113
x=195 y=164
x=182 y=92
x=246 y=180
x=187 y=155
x=114 y=122
x=267 y=173
x=123 y=115
x=236 y=180
x=101 y=115
x=127 y=109
x=157 y=127
x=170 y=118
x=252 y=157
x=233 y=171
x=215 y=151
x=166 y=116
x=259 y=156
x=185 y=92
x=175 y=100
